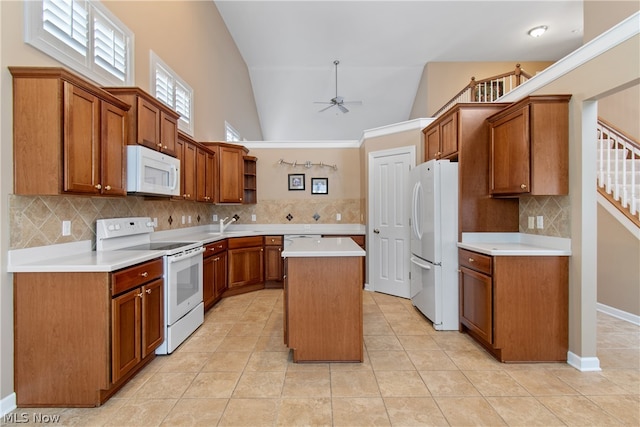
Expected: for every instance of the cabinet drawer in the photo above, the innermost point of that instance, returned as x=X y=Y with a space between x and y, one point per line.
x=475 y=261
x=245 y=242
x=215 y=248
x=273 y=240
x=128 y=278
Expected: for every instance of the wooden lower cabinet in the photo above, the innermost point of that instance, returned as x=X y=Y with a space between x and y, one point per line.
x=516 y=306
x=79 y=337
x=214 y=272
x=245 y=264
x=273 y=261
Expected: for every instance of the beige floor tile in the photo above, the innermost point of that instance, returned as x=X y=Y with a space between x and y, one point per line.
x=142 y=412
x=401 y=383
x=200 y=344
x=250 y=413
x=589 y=383
x=165 y=385
x=411 y=326
x=196 y=412
x=431 y=360
x=246 y=328
x=414 y=411
x=90 y=416
x=273 y=342
x=629 y=379
x=354 y=384
x=358 y=411
x=390 y=361
x=619 y=358
x=418 y=342
x=212 y=385
x=455 y=341
x=541 y=382
x=523 y=411
x=260 y=385
x=238 y=343
x=495 y=383
x=230 y=361
x=578 y=411
x=305 y=412
x=382 y=342
x=268 y=361
x=185 y=362
x=468 y=411
x=307 y=384
x=213 y=327
x=377 y=328
x=448 y=383
x=626 y=408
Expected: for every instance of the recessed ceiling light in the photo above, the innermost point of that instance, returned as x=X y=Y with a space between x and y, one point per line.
x=538 y=31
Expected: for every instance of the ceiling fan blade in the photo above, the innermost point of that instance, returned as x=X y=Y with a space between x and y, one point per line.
x=343 y=108
x=352 y=102
x=321 y=102
x=326 y=108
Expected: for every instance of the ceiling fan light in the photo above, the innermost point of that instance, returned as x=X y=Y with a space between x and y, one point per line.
x=538 y=31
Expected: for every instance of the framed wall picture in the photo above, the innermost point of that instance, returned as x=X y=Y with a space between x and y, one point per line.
x=296 y=181
x=319 y=185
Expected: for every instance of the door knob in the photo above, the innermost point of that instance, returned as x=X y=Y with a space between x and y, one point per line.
x=375 y=230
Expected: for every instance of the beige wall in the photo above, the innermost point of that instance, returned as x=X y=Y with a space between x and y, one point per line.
x=618 y=264
x=600 y=15
x=442 y=80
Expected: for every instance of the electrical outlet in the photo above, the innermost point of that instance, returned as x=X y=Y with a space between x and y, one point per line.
x=214 y=218
x=189 y=219
x=338 y=217
x=66 y=228
x=155 y=222
x=253 y=217
x=532 y=223
x=184 y=219
x=540 y=222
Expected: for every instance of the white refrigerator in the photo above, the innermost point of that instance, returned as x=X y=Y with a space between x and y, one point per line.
x=434 y=237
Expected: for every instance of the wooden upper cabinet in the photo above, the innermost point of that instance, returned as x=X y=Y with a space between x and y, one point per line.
x=69 y=135
x=189 y=167
x=205 y=172
x=529 y=147
x=441 y=137
x=151 y=123
x=230 y=171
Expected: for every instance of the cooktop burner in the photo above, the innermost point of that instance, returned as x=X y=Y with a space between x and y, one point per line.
x=158 y=246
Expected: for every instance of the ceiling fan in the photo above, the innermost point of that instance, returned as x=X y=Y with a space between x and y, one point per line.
x=337 y=101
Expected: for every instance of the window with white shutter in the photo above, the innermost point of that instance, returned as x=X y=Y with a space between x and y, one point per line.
x=232 y=135
x=84 y=36
x=170 y=89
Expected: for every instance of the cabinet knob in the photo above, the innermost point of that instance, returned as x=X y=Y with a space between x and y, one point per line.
x=165 y=147
x=216 y=259
x=160 y=145
x=279 y=249
x=98 y=186
x=144 y=274
x=148 y=291
x=523 y=186
x=471 y=260
x=108 y=187
x=140 y=295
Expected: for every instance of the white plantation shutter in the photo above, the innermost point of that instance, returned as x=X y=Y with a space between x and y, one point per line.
x=83 y=35
x=170 y=89
x=232 y=135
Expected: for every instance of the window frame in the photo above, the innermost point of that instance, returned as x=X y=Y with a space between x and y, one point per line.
x=228 y=129
x=156 y=63
x=86 y=65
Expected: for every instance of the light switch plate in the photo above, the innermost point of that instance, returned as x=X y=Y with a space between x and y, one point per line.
x=540 y=222
x=253 y=217
x=66 y=228
x=532 y=223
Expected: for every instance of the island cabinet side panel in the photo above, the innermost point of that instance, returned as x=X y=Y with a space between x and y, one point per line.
x=324 y=308
x=531 y=300
x=62 y=344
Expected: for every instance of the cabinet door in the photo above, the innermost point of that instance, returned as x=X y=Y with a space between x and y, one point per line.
x=148 y=125
x=476 y=308
x=152 y=316
x=81 y=141
x=125 y=336
x=210 y=175
x=449 y=136
x=113 y=141
x=220 y=274
x=273 y=263
x=208 y=281
x=246 y=266
x=231 y=164
x=510 y=154
x=205 y=179
x=431 y=143
x=168 y=134
x=189 y=167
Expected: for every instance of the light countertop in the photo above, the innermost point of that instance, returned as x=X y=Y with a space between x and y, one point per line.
x=515 y=244
x=307 y=247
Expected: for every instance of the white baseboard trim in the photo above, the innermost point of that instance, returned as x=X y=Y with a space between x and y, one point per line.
x=583 y=364
x=7 y=404
x=623 y=315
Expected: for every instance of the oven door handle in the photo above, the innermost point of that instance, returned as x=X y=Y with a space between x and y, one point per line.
x=174 y=258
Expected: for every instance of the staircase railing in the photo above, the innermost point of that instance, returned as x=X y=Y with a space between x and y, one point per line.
x=487 y=90
x=619 y=169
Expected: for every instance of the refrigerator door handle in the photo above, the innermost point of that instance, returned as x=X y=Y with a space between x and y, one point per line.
x=420 y=263
x=417 y=211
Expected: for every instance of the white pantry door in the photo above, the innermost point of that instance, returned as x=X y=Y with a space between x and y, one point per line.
x=388 y=220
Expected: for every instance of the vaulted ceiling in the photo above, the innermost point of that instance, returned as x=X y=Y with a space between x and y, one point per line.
x=290 y=48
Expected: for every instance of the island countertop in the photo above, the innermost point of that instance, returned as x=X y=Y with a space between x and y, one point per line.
x=305 y=247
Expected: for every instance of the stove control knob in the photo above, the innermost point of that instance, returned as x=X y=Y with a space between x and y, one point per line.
x=111 y=227
x=117 y=226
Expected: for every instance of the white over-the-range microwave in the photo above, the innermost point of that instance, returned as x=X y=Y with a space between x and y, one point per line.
x=151 y=172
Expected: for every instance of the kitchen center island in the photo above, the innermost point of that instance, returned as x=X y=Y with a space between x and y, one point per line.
x=323 y=299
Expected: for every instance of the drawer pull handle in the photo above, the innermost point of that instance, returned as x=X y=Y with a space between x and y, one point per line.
x=144 y=274
x=471 y=260
x=523 y=186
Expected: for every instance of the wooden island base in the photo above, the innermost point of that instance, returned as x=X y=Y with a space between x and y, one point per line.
x=323 y=308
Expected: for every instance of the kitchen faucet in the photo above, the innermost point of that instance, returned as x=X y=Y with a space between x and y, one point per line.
x=223 y=226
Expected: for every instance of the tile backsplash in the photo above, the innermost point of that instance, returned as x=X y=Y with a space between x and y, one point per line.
x=37 y=220
x=555 y=212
